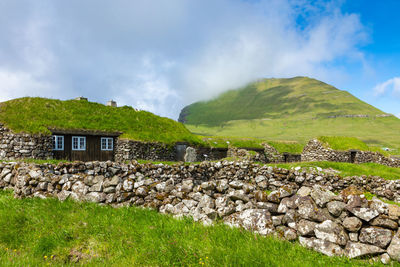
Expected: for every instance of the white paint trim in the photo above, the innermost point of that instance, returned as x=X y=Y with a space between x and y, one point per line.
x=79 y=138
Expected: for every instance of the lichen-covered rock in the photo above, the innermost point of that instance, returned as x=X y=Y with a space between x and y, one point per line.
x=305 y=227
x=384 y=221
x=394 y=248
x=365 y=214
x=95 y=197
x=336 y=207
x=355 y=250
x=331 y=231
x=255 y=220
x=321 y=195
x=352 y=224
x=322 y=246
x=376 y=236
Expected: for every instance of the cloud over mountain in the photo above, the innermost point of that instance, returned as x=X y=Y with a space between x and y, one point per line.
x=161 y=55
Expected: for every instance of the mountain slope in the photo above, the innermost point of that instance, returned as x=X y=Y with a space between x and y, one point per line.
x=295 y=109
x=35 y=115
x=294 y=98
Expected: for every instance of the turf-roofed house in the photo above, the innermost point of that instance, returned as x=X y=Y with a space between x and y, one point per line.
x=41 y=128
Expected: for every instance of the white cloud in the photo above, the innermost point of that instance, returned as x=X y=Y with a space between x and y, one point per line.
x=392 y=85
x=163 y=54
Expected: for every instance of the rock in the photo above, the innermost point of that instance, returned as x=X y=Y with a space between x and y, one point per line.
x=239 y=195
x=385 y=258
x=304 y=191
x=63 y=195
x=284 y=191
x=113 y=182
x=385 y=222
x=190 y=155
x=331 y=231
x=305 y=227
x=321 y=195
x=79 y=188
x=127 y=185
x=222 y=185
x=252 y=219
x=96 y=187
x=376 y=236
x=206 y=201
x=353 y=237
x=352 y=224
x=277 y=220
x=271 y=207
x=394 y=211
x=290 y=234
x=141 y=191
x=354 y=250
x=210 y=185
x=365 y=214
x=95 y=197
x=394 y=248
x=35 y=173
x=110 y=189
x=261 y=196
x=322 y=246
x=187 y=186
x=4 y=172
x=336 y=207
x=308 y=210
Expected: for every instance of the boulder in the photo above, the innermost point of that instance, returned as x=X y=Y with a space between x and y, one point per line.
x=336 y=207
x=352 y=224
x=305 y=227
x=252 y=219
x=332 y=232
x=376 y=236
x=322 y=246
x=384 y=221
x=321 y=195
x=365 y=214
x=95 y=197
x=394 y=248
x=354 y=250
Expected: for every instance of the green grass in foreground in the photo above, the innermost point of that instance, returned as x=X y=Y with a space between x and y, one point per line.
x=37 y=232
x=349 y=169
x=35 y=115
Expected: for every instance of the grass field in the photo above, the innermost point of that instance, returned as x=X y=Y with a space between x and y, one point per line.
x=349 y=169
x=36 y=232
x=35 y=115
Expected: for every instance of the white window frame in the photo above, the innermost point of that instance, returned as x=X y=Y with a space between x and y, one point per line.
x=79 y=138
x=57 y=141
x=108 y=140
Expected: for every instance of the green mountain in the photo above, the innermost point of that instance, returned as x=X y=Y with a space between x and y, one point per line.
x=36 y=115
x=295 y=109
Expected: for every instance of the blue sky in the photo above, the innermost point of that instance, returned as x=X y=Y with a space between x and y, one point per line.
x=161 y=55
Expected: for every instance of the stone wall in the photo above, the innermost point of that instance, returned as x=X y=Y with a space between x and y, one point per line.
x=17 y=146
x=301 y=205
x=316 y=151
x=126 y=150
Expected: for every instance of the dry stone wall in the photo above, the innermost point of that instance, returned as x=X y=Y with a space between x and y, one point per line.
x=127 y=150
x=301 y=205
x=316 y=151
x=17 y=146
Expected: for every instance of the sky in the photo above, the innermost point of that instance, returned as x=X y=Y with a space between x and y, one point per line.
x=162 y=55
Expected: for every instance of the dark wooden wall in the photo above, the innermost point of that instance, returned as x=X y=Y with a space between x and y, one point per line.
x=93 y=150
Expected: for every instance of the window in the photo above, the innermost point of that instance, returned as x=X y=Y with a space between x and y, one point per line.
x=58 y=142
x=107 y=143
x=78 y=143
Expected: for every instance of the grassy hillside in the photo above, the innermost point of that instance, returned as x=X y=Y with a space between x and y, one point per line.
x=35 y=115
x=36 y=232
x=296 y=109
